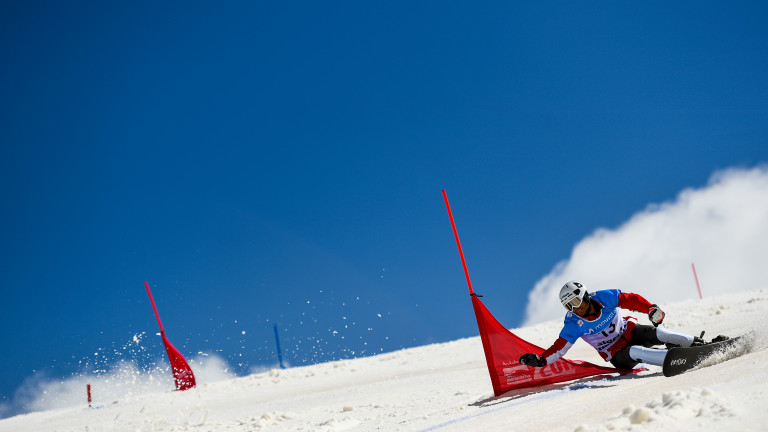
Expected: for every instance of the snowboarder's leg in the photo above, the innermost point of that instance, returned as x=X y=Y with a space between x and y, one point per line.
x=652 y=356
x=675 y=338
x=622 y=360
x=645 y=335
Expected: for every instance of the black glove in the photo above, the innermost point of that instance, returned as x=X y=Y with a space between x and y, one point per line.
x=531 y=359
x=656 y=315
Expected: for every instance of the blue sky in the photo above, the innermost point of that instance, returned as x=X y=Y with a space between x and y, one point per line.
x=283 y=163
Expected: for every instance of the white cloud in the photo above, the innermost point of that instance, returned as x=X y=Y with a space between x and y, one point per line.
x=722 y=228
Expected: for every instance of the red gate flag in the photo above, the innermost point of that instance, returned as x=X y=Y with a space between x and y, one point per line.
x=503 y=349
x=182 y=373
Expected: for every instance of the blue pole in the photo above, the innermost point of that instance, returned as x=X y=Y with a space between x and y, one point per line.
x=279 y=351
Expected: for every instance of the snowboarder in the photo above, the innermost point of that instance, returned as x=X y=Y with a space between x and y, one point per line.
x=620 y=340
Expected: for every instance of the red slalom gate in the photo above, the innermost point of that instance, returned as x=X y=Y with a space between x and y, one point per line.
x=182 y=373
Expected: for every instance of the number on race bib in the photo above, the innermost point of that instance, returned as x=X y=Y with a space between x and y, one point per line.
x=611 y=329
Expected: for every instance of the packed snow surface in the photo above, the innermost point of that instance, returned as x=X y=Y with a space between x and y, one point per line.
x=445 y=387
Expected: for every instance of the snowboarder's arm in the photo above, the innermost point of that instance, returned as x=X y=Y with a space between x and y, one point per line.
x=557 y=350
x=638 y=303
x=634 y=302
x=551 y=355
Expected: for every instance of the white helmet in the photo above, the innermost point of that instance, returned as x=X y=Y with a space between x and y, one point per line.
x=572 y=294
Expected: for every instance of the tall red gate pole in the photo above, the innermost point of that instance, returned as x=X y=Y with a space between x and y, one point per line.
x=697 y=280
x=458 y=243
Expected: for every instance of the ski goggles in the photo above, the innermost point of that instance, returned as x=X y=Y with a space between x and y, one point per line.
x=573 y=299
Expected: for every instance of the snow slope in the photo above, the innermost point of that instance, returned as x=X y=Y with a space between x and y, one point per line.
x=445 y=387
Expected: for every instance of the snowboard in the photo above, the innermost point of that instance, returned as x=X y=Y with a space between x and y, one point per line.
x=680 y=359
